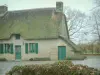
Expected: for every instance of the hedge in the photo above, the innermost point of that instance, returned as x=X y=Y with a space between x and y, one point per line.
x=3 y=59
x=40 y=59
x=58 y=68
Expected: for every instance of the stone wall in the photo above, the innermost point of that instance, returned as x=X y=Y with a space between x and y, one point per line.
x=46 y=48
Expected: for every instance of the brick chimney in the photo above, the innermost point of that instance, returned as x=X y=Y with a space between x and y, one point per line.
x=59 y=6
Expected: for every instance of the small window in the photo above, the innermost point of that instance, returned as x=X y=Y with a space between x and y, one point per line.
x=17 y=36
x=31 y=48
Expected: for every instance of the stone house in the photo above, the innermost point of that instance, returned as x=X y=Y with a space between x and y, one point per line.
x=35 y=33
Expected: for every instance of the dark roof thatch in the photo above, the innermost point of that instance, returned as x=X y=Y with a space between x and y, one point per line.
x=30 y=24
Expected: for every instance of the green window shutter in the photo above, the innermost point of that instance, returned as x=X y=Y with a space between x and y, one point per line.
x=1 y=49
x=36 y=48
x=11 y=48
x=26 y=48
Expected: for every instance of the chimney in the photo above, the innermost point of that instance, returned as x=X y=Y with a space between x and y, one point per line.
x=59 y=6
x=3 y=10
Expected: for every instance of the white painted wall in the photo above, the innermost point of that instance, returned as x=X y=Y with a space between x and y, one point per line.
x=46 y=48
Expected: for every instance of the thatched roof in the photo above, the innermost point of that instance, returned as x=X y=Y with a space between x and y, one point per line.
x=30 y=24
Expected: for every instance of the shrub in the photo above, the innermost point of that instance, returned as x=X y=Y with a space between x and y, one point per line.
x=58 y=68
x=3 y=59
x=31 y=59
x=40 y=59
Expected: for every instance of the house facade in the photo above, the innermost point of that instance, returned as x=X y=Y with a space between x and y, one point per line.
x=35 y=33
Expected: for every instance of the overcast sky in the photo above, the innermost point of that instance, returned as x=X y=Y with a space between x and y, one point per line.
x=83 y=5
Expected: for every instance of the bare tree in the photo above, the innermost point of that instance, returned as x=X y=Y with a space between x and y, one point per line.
x=97 y=4
x=94 y=25
x=95 y=19
x=76 y=22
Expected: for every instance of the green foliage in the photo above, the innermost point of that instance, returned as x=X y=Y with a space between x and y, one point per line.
x=58 y=68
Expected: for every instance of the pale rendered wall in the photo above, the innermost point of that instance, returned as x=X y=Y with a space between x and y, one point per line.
x=46 y=48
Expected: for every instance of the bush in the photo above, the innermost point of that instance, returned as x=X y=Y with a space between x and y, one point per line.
x=58 y=68
x=3 y=59
x=40 y=59
x=31 y=59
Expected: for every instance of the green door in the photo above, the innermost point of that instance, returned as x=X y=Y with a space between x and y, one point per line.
x=17 y=52
x=61 y=52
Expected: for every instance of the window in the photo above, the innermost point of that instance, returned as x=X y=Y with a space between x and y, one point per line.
x=6 y=48
x=31 y=48
x=17 y=36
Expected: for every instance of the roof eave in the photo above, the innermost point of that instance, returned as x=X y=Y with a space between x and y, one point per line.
x=69 y=42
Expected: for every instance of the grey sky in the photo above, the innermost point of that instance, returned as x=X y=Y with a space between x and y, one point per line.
x=83 y=5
